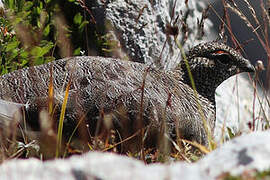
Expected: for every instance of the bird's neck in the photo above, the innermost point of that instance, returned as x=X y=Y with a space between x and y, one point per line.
x=205 y=84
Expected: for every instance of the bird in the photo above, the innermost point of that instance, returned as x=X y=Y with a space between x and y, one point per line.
x=130 y=95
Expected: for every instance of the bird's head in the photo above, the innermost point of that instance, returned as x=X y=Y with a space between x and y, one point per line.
x=211 y=63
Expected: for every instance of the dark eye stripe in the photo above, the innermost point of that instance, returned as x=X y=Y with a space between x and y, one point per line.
x=224 y=58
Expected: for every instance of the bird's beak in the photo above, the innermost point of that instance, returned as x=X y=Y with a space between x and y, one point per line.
x=249 y=68
x=246 y=66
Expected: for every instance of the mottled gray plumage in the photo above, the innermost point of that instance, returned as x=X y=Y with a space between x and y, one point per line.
x=115 y=87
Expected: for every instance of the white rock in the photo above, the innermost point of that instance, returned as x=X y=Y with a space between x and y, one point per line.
x=95 y=165
x=249 y=152
x=234 y=103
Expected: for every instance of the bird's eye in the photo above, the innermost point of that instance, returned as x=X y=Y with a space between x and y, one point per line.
x=222 y=56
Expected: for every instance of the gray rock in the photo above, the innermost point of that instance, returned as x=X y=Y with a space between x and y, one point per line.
x=141 y=28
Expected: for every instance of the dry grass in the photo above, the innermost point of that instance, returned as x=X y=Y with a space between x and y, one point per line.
x=51 y=143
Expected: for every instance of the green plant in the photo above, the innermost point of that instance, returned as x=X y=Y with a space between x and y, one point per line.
x=30 y=35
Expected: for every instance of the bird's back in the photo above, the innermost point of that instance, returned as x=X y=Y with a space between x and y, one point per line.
x=116 y=87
